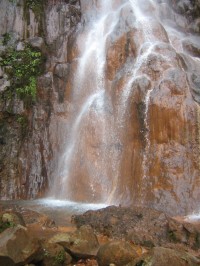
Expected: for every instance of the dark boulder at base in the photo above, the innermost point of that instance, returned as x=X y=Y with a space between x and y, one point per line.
x=142 y=226
x=6 y=261
x=116 y=252
x=55 y=254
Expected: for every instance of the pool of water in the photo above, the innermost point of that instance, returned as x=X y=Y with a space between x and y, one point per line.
x=58 y=210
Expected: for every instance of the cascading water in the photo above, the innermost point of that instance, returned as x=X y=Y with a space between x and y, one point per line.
x=124 y=52
x=88 y=98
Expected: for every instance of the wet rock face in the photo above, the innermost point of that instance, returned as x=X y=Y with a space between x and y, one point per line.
x=149 y=153
x=191 y=10
x=25 y=128
x=11 y=135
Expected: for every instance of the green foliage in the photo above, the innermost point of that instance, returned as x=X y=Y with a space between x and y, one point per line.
x=5 y=225
x=6 y=38
x=46 y=253
x=29 y=89
x=35 y=5
x=22 y=68
x=59 y=258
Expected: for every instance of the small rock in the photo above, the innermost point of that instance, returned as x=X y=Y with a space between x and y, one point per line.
x=20 y=46
x=45 y=221
x=117 y=252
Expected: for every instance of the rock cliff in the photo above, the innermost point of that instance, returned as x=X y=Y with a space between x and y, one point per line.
x=30 y=120
x=143 y=148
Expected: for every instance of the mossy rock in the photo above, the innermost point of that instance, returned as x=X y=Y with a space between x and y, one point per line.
x=10 y=219
x=55 y=255
x=82 y=243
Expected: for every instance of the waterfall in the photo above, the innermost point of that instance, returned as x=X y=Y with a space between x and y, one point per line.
x=126 y=50
x=91 y=63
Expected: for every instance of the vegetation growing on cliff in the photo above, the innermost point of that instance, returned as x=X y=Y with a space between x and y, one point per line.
x=22 y=67
x=6 y=38
x=35 y=6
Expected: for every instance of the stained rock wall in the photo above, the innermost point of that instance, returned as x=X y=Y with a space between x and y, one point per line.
x=153 y=139
x=161 y=157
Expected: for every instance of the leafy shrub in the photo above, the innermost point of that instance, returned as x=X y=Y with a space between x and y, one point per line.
x=23 y=68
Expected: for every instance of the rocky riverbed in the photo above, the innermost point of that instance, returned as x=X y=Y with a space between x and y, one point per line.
x=108 y=236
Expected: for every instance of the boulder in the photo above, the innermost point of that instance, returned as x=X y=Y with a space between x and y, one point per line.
x=117 y=253
x=159 y=256
x=142 y=226
x=55 y=254
x=16 y=244
x=82 y=243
